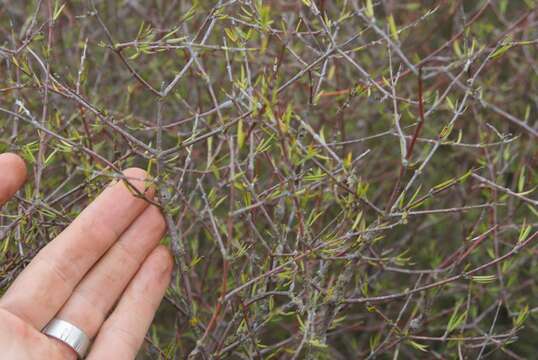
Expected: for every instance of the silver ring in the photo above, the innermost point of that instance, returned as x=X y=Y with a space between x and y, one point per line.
x=69 y=334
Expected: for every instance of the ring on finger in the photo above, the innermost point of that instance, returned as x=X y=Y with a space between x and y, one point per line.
x=69 y=334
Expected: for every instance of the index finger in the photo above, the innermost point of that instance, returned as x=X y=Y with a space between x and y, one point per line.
x=12 y=175
x=47 y=282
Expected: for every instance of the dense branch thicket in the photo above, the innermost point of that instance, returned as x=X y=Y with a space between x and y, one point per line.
x=341 y=179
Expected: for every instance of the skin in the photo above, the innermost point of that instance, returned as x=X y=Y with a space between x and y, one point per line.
x=105 y=273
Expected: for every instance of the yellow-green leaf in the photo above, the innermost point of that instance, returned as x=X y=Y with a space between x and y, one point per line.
x=392 y=26
x=240 y=134
x=369 y=8
x=418 y=346
x=500 y=51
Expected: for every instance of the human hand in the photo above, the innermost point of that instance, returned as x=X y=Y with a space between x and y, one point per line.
x=105 y=274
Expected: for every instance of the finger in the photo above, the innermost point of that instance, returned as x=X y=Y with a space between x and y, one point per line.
x=12 y=175
x=44 y=286
x=101 y=288
x=123 y=332
x=20 y=334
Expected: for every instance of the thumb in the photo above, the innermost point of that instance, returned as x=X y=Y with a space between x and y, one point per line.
x=12 y=175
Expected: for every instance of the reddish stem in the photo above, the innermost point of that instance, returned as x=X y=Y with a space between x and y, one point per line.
x=421 y=115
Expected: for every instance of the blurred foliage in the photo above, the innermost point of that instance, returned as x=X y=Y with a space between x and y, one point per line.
x=314 y=210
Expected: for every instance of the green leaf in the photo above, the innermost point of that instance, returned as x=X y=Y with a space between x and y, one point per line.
x=240 y=134
x=524 y=232
x=455 y=320
x=58 y=10
x=522 y=316
x=484 y=279
x=533 y=209
x=445 y=184
x=369 y=8
x=500 y=51
x=374 y=341
x=521 y=180
x=450 y=103
x=49 y=158
x=418 y=346
x=231 y=34
x=317 y=343
x=135 y=55
x=357 y=220
x=503 y=4
x=414 y=195
x=392 y=26
x=445 y=132
x=457 y=48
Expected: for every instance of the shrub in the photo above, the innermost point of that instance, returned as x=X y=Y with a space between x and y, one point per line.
x=341 y=179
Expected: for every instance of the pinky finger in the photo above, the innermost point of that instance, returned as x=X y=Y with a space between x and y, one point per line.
x=122 y=334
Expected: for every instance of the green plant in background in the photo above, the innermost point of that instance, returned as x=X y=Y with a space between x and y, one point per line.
x=340 y=179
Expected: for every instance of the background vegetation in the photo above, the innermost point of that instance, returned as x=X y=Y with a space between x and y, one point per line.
x=341 y=179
